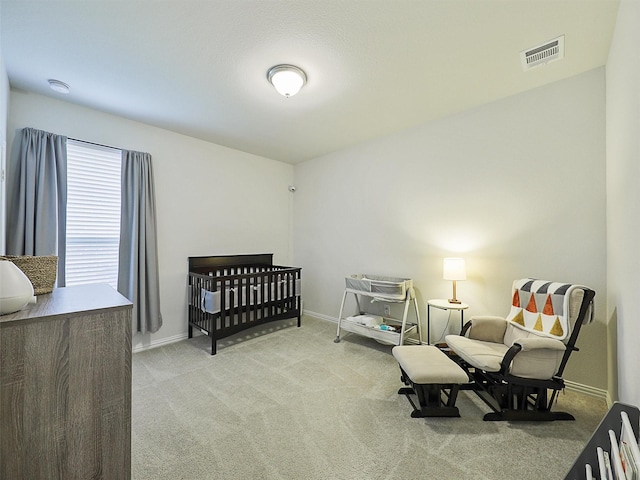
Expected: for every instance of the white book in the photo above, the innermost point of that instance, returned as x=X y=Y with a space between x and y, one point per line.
x=628 y=437
x=615 y=459
x=627 y=462
x=607 y=465
x=602 y=466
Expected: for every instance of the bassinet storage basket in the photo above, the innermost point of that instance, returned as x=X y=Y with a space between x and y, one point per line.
x=41 y=270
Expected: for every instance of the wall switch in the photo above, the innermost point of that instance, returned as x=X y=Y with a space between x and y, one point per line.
x=387 y=310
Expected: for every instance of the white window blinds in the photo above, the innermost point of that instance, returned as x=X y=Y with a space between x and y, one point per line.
x=93 y=213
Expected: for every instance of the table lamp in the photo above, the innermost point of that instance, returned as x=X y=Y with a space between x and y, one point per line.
x=454 y=269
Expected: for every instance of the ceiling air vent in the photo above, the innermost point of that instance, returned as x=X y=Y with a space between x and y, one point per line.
x=547 y=52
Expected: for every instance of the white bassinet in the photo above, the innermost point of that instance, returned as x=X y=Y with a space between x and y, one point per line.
x=384 y=289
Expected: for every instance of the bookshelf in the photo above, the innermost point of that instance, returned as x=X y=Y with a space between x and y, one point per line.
x=600 y=438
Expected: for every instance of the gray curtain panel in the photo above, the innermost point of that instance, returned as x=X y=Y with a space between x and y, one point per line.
x=138 y=270
x=37 y=202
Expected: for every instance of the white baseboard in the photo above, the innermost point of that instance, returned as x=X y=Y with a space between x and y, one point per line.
x=320 y=316
x=183 y=336
x=573 y=386
x=588 y=390
x=158 y=343
x=610 y=399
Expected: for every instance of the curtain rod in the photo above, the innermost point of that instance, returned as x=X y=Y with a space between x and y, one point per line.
x=94 y=143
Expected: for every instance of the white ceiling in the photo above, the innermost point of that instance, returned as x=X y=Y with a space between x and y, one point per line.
x=198 y=67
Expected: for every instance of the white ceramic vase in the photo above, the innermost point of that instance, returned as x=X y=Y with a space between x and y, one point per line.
x=16 y=291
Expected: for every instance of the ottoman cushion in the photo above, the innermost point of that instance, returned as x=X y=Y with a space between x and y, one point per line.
x=426 y=365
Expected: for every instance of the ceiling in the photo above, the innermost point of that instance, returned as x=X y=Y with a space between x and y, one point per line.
x=198 y=67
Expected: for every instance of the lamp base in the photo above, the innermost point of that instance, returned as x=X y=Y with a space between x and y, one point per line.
x=454 y=300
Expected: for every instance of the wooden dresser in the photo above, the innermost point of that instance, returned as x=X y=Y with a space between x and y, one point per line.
x=65 y=387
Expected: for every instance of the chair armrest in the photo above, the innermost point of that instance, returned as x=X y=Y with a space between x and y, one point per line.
x=527 y=345
x=533 y=343
x=487 y=328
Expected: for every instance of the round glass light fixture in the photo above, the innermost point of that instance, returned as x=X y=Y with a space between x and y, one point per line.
x=58 y=86
x=287 y=79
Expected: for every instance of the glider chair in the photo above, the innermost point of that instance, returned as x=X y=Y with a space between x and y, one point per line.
x=514 y=362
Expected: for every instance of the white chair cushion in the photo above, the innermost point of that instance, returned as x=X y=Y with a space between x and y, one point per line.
x=488 y=328
x=540 y=363
x=483 y=355
x=427 y=365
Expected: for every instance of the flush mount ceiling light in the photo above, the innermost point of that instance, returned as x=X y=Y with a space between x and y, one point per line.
x=58 y=86
x=287 y=79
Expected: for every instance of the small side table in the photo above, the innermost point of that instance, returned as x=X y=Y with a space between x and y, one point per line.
x=443 y=304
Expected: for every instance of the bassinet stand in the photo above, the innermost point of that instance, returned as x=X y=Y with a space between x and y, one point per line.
x=394 y=338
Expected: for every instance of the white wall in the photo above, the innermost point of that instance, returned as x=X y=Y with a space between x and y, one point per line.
x=4 y=111
x=211 y=200
x=4 y=98
x=623 y=199
x=517 y=187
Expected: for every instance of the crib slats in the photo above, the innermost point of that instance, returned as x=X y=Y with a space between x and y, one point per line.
x=249 y=295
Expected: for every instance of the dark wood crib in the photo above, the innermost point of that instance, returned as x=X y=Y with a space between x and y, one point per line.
x=230 y=293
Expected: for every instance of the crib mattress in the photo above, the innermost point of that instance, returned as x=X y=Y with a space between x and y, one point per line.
x=390 y=288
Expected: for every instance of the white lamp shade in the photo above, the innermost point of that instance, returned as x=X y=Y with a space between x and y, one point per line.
x=16 y=290
x=454 y=269
x=287 y=79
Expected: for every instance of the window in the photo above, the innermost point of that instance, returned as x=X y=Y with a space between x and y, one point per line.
x=93 y=213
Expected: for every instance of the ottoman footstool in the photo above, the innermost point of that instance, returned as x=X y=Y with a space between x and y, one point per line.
x=433 y=377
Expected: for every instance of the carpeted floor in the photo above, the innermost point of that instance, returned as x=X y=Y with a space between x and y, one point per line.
x=283 y=402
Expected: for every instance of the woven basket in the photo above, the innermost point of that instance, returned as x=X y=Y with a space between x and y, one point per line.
x=40 y=270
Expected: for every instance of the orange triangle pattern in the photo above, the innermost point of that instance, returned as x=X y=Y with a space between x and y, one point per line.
x=557 y=329
x=531 y=306
x=537 y=322
x=538 y=325
x=548 y=306
x=518 y=318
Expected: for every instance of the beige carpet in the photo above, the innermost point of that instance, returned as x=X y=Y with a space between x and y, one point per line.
x=282 y=402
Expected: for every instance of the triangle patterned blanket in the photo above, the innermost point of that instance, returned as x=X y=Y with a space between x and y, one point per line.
x=541 y=307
